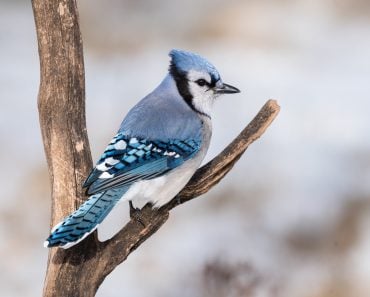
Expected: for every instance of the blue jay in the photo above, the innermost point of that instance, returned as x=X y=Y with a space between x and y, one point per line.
x=158 y=147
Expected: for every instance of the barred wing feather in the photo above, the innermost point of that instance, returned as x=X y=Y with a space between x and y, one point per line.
x=130 y=159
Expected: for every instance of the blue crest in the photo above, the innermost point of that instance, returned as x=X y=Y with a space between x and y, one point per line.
x=185 y=61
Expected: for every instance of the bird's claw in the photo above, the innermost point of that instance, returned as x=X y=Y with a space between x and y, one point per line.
x=135 y=213
x=178 y=199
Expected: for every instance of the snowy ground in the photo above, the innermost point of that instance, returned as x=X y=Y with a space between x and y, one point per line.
x=292 y=219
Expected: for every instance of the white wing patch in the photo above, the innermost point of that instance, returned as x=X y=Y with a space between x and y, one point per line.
x=111 y=161
x=133 y=140
x=102 y=167
x=120 y=145
x=105 y=175
x=166 y=153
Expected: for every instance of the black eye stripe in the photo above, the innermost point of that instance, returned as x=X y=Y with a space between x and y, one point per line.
x=202 y=82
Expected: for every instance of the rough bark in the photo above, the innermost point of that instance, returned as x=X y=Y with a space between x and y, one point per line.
x=80 y=270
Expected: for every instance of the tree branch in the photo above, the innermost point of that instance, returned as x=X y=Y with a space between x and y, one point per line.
x=211 y=173
x=133 y=234
x=80 y=270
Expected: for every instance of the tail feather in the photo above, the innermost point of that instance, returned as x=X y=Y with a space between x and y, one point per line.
x=84 y=220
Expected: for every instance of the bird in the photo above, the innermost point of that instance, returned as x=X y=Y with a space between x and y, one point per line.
x=158 y=147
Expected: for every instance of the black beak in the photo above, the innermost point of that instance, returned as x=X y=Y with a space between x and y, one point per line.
x=227 y=89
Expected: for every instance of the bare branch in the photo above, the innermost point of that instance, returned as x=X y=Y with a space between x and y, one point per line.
x=211 y=173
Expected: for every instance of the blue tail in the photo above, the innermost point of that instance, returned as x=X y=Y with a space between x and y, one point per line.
x=84 y=220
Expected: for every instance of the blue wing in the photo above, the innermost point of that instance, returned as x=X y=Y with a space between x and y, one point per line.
x=130 y=159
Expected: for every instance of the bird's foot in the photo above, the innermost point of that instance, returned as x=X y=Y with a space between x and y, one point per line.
x=135 y=213
x=178 y=199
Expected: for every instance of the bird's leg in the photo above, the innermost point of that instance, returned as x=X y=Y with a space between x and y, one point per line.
x=135 y=213
x=178 y=199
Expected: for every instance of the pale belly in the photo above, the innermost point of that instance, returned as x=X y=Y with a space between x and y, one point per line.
x=161 y=190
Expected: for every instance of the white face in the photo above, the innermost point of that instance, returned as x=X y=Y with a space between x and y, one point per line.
x=203 y=95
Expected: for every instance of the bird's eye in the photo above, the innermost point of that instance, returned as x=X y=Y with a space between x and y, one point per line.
x=201 y=82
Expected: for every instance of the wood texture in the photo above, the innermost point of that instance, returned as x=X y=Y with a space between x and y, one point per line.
x=80 y=270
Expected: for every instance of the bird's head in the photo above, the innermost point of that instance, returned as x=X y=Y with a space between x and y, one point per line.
x=197 y=80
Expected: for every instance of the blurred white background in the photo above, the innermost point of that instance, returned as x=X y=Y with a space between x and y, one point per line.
x=292 y=219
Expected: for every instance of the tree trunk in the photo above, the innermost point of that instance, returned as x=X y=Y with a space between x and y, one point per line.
x=61 y=103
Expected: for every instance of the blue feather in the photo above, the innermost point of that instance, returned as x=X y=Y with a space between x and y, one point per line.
x=140 y=159
x=185 y=61
x=85 y=219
